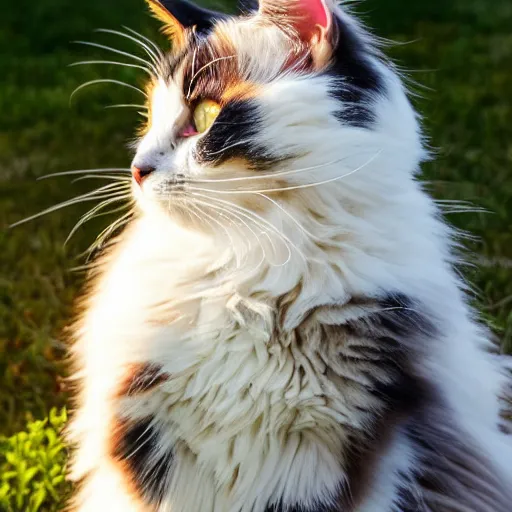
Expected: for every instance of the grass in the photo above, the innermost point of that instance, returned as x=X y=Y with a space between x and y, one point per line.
x=461 y=50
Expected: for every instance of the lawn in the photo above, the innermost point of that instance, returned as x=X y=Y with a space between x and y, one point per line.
x=458 y=54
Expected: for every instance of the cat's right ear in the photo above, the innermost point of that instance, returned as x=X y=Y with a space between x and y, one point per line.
x=179 y=15
x=311 y=21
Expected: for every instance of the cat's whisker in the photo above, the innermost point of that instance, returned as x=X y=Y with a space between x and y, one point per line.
x=151 y=53
x=225 y=148
x=105 y=81
x=233 y=124
x=124 y=179
x=156 y=48
x=223 y=210
x=127 y=105
x=192 y=212
x=111 y=62
x=261 y=223
x=107 y=232
x=263 y=176
x=83 y=171
x=293 y=187
x=194 y=55
x=206 y=66
x=93 y=213
x=238 y=216
x=119 y=52
x=264 y=231
x=89 y=196
x=235 y=220
x=295 y=221
x=256 y=237
x=209 y=219
x=123 y=207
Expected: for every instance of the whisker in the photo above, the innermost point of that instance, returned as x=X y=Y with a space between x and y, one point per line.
x=83 y=171
x=111 y=62
x=127 y=105
x=124 y=179
x=292 y=187
x=234 y=124
x=223 y=228
x=303 y=229
x=152 y=55
x=90 y=196
x=119 y=52
x=105 y=234
x=224 y=211
x=194 y=55
x=234 y=212
x=250 y=215
x=205 y=67
x=93 y=213
x=240 y=219
x=104 y=81
x=158 y=50
x=273 y=174
x=225 y=148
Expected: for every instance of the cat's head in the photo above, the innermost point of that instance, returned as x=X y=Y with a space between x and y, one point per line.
x=288 y=105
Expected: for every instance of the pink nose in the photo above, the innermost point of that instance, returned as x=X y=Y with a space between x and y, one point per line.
x=141 y=173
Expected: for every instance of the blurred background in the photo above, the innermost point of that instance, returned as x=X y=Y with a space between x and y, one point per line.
x=460 y=51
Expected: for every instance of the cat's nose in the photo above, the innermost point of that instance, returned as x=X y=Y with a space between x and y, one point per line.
x=141 y=173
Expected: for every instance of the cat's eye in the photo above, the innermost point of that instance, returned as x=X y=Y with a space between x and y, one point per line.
x=205 y=113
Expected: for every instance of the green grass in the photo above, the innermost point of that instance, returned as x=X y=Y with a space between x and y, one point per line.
x=33 y=467
x=461 y=50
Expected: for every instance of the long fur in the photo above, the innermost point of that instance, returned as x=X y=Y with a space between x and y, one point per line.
x=281 y=327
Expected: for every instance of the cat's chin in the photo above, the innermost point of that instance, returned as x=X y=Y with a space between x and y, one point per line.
x=178 y=211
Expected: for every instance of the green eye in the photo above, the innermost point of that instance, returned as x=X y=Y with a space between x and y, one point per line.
x=205 y=114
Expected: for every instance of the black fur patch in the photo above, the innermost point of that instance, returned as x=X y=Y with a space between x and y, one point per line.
x=357 y=79
x=247 y=6
x=191 y=15
x=134 y=446
x=381 y=347
x=408 y=500
x=451 y=467
x=232 y=136
x=392 y=329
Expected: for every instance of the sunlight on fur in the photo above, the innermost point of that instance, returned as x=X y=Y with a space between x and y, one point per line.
x=279 y=326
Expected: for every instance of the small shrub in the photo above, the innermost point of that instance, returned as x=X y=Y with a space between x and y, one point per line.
x=33 y=467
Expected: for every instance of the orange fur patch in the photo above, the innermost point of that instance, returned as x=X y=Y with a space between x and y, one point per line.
x=240 y=90
x=145 y=125
x=172 y=28
x=119 y=429
x=141 y=378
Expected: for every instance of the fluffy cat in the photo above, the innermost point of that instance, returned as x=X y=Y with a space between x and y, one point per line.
x=280 y=328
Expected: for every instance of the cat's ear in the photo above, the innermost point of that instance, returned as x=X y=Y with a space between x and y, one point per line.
x=178 y=15
x=310 y=20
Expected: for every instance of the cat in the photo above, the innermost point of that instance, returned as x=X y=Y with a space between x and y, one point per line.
x=280 y=327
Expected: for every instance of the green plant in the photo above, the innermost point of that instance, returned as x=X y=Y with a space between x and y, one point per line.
x=33 y=466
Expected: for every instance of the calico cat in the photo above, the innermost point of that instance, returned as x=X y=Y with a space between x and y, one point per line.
x=280 y=327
